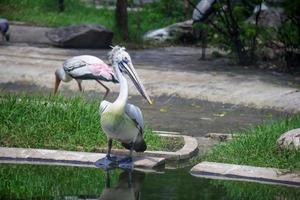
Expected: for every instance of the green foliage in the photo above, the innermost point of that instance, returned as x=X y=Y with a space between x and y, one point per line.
x=229 y=30
x=45 y=12
x=257 y=146
x=56 y=123
x=288 y=34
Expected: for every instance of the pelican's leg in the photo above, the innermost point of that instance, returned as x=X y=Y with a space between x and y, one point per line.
x=127 y=162
x=107 y=89
x=109 y=147
x=107 y=180
x=130 y=179
x=108 y=161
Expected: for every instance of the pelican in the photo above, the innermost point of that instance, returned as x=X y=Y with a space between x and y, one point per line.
x=120 y=120
x=84 y=67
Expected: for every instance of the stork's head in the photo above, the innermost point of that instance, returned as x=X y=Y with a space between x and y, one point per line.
x=121 y=60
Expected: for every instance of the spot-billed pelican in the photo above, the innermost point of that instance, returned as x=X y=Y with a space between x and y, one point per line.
x=119 y=120
x=84 y=67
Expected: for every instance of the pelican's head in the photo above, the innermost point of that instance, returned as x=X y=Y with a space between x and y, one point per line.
x=120 y=59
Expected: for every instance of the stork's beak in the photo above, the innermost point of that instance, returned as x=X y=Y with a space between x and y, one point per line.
x=57 y=82
x=136 y=80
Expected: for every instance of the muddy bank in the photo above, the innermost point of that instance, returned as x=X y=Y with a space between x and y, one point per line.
x=192 y=117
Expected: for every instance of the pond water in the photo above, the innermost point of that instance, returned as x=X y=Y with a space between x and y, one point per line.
x=22 y=181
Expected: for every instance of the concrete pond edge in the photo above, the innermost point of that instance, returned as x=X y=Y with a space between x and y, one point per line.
x=189 y=149
x=224 y=171
x=69 y=158
x=146 y=161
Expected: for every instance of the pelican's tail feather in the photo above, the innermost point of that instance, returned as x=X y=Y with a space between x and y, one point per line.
x=139 y=144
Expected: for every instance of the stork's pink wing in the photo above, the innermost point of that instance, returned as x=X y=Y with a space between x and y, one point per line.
x=102 y=70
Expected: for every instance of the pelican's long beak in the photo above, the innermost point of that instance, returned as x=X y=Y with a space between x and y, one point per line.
x=136 y=80
x=57 y=82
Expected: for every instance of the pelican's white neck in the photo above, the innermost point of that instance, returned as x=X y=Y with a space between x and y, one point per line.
x=123 y=94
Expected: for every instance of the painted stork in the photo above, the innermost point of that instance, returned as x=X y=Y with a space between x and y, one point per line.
x=120 y=120
x=84 y=67
x=4 y=26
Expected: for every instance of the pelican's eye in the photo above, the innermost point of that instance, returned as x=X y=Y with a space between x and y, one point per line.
x=125 y=60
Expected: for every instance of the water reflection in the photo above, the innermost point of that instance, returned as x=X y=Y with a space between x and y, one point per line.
x=127 y=188
x=58 y=182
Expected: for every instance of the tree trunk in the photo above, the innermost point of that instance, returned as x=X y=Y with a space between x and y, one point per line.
x=186 y=8
x=241 y=53
x=61 y=5
x=203 y=43
x=121 y=18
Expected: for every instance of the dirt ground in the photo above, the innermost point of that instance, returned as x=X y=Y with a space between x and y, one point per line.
x=190 y=96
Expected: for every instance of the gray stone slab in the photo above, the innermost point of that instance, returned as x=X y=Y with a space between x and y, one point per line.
x=214 y=170
x=58 y=157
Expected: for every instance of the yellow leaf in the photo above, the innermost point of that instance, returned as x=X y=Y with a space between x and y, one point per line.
x=163 y=110
x=222 y=114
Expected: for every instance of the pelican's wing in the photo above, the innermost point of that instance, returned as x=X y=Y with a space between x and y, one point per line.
x=88 y=67
x=136 y=115
x=104 y=104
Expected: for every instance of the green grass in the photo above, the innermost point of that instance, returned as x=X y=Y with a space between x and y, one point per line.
x=256 y=191
x=257 y=146
x=45 y=12
x=59 y=123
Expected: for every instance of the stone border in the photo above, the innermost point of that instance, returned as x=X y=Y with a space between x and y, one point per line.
x=225 y=171
x=189 y=149
x=146 y=160
x=72 y=158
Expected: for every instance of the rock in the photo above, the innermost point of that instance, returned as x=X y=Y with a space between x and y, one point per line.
x=182 y=31
x=269 y=17
x=290 y=140
x=81 y=36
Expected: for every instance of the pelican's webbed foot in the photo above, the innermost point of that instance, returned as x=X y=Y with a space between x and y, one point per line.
x=107 y=162
x=112 y=158
x=126 y=163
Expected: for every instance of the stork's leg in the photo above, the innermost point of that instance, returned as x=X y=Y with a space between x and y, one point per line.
x=79 y=85
x=107 y=89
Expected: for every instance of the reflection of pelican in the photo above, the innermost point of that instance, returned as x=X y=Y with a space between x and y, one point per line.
x=128 y=187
